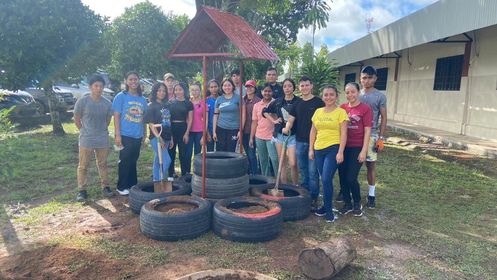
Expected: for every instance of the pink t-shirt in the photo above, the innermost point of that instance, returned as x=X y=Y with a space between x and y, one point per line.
x=198 y=117
x=265 y=127
x=360 y=116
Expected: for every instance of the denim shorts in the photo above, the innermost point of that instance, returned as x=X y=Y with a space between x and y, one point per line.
x=281 y=138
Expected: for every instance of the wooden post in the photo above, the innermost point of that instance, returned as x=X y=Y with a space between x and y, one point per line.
x=327 y=259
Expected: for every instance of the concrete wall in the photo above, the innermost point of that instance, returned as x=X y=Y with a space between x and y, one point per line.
x=471 y=111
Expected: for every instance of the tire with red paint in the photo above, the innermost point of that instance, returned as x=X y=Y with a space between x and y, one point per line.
x=142 y=193
x=260 y=182
x=295 y=204
x=232 y=225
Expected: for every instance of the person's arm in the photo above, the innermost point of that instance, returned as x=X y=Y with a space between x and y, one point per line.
x=289 y=125
x=252 y=133
x=383 y=123
x=77 y=120
x=189 y=121
x=364 y=151
x=214 y=124
x=312 y=139
x=117 y=129
x=343 y=141
x=244 y=112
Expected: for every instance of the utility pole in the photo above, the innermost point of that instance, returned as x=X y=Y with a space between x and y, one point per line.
x=369 y=22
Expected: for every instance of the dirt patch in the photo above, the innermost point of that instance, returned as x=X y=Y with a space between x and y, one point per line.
x=228 y=277
x=172 y=208
x=251 y=209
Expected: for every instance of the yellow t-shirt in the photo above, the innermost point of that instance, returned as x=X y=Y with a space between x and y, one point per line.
x=328 y=127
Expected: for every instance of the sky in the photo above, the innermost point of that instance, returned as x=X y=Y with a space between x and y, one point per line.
x=347 y=17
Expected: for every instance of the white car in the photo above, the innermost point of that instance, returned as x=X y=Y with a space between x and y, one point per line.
x=81 y=89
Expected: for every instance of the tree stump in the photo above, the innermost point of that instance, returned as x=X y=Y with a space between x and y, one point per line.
x=327 y=259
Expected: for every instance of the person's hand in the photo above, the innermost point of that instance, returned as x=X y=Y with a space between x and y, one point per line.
x=118 y=140
x=379 y=145
x=162 y=144
x=339 y=157
x=251 y=143
x=186 y=137
x=209 y=138
x=362 y=156
x=214 y=137
x=239 y=135
x=285 y=131
x=171 y=144
x=278 y=121
x=311 y=154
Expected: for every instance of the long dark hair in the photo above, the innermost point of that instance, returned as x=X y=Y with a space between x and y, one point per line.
x=185 y=90
x=291 y=81
x=139 y=88
x=209 y=86
x=155 y=89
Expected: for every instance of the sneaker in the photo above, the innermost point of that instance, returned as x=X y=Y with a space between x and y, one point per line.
x=107 y=192
x=347 y=208
x=82 y=196
x=330 y=218
x=339 y=197
x=123 y=192
x=320 y=212
x=357 y=209
x=170 y=179
x=314 y=205
x=371 y=202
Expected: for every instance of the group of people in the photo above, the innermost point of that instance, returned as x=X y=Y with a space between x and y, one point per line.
x=315 y=136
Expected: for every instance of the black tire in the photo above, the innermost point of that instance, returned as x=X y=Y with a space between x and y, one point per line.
x=240 y=227
x=221 y=165
x=175 y=226
x=220 y=188
x=144 y=192
x=260 y=182
x=296 y=204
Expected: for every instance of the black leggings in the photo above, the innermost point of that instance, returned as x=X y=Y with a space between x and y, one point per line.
x=348 y=172
x=226 y=139
x=127 y=176
x=185 y=155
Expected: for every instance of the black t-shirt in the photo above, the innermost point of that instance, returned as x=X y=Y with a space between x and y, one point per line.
x=303 y=112
x=277 y=91
x=180 y=109
x=275 y=108
x=159 y=113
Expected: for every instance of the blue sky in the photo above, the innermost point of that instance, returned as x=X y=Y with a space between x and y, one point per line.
x=347 y=19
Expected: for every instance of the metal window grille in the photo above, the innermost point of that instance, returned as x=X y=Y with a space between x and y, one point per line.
x=448 y=73
x=381 y=81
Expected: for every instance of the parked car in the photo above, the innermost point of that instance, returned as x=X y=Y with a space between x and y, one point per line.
x=65 y=98
x=81 y=89
x=24 y=105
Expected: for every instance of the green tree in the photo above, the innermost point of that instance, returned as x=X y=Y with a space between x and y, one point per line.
x=139 y=40
x=317 y=17
x=48 y=40
x=321 y=71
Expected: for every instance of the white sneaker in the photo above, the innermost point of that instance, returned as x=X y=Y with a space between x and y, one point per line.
x=123 y=192
x=170 y=179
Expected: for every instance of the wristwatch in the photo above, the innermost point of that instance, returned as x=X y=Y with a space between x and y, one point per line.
x=382 y=138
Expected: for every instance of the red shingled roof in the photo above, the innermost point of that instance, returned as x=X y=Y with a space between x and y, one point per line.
x=211 y=29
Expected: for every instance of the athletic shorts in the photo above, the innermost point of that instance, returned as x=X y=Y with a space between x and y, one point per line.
x=372 y=154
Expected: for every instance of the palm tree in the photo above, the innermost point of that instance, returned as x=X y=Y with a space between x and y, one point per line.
x=317 y=17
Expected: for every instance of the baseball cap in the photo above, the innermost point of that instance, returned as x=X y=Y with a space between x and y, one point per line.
x=168 y=75
x=250 y=83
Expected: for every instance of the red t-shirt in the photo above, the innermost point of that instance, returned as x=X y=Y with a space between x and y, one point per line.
x=360 y=116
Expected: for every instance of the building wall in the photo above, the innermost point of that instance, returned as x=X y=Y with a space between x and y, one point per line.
x=471 y=111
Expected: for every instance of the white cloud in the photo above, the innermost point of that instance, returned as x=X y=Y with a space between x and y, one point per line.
x=115 y=8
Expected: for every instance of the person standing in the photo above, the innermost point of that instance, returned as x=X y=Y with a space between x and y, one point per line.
x=327 y=141
x=237 y=80
x=226 y=122
x=213 y=94
x=378 y=103
x=169 y=83
x=198 y=122
x=92 y=115
x=158 y=113
x=262 y=133
x=271 y=77
x=275 y=112
x=129 y=106
x=249 y=101
x=301 y=116
x=181 y=124
x=356 y=149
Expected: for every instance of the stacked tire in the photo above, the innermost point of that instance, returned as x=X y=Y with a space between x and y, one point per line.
x=225 y=175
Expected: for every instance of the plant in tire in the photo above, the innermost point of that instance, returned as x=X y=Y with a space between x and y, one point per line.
x=175 y=218
x=247 y=219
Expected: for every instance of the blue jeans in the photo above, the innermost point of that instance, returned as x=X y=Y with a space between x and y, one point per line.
x=166 y=160
x=194 y=142
x=251 y=155
x=307 y=168
x=267 y=152
x=326 y=163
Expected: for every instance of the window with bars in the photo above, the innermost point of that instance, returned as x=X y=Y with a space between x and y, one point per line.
x=448 y=73
x=381 y=81
x=349 y=78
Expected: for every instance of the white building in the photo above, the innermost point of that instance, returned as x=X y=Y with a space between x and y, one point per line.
x=437 y=66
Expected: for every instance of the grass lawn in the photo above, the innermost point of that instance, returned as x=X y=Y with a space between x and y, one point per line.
x=435 y=219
